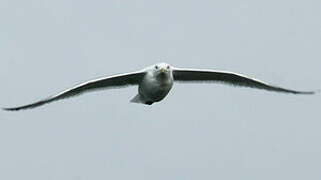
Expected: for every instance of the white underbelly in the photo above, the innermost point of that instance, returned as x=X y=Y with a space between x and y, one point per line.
x=154 y=90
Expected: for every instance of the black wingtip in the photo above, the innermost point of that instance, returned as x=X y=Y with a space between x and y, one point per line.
x=10 y=109
x=308 y=92
x=313 y=92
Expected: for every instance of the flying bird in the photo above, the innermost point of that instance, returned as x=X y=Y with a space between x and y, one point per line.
x=155 y=82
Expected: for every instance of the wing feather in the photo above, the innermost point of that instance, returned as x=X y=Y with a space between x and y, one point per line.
x=186 y=75
x=114 y=81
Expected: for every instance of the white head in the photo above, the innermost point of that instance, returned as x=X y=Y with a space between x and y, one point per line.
x=162 y=68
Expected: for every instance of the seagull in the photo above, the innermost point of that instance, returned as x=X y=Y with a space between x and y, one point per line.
x=155 y=82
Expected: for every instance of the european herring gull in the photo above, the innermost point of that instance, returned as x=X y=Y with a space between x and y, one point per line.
x=155 y=82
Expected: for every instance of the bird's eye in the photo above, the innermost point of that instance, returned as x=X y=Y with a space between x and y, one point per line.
x=167 y=67
x=156 y=67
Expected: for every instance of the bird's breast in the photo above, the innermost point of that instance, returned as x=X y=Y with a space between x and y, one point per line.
x=155 y=89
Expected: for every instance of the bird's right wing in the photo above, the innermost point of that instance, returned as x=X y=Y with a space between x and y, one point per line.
x=198 y=75
x=92 y=85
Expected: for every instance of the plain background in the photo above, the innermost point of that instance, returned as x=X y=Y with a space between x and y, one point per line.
x=200 y=131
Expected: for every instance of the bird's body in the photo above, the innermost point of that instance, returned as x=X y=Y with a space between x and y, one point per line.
x=154 y=86
x=155 y=82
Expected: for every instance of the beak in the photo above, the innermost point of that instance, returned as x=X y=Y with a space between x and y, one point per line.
x=163 y=70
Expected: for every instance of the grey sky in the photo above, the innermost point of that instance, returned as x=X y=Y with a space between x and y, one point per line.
x=203 y=131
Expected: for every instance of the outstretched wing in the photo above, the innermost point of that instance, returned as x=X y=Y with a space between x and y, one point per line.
x=228 y=78
x=92 y=85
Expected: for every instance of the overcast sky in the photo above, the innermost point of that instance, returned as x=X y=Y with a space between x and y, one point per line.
x=202 y=131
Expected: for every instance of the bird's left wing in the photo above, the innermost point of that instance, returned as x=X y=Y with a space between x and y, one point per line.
x=92 y=85
x=228 y=78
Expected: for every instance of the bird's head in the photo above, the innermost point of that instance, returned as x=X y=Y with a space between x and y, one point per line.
x=162 y=69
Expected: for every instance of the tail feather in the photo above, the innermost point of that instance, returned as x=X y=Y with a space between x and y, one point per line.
x=136 y=99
